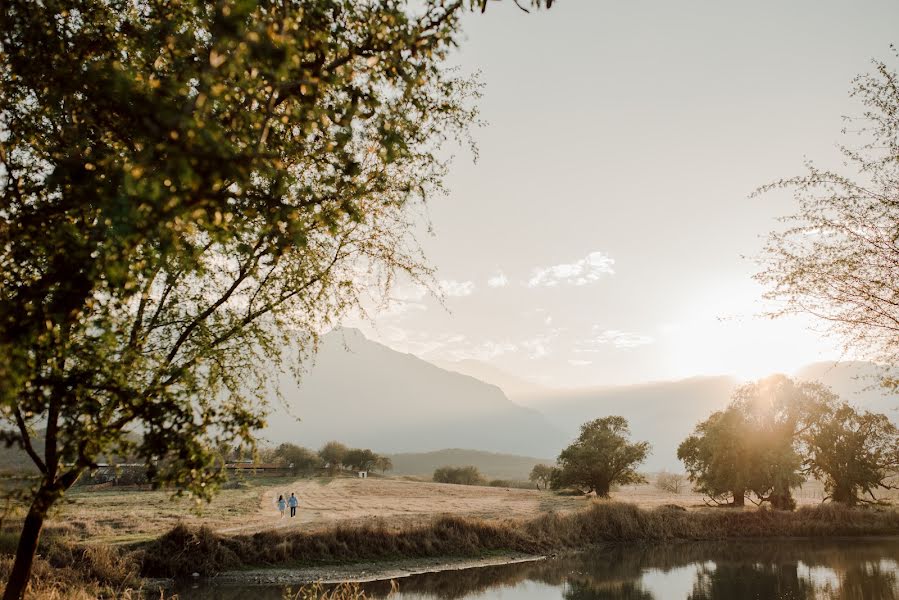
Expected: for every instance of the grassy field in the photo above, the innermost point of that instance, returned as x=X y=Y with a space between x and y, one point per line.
x=123 y=515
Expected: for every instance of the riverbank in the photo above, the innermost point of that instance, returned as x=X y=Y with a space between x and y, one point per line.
x=366 y=572
x=383 y=549
x=185 y=550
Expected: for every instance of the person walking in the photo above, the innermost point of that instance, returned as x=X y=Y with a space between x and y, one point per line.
x=281 y=505
x=292 y=502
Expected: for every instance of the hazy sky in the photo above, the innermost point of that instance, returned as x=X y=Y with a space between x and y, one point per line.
x=600 y=237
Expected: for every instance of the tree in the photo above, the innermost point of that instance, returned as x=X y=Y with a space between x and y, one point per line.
x=779 y=412
x=541 y=475
x=383 y=464
x=360 y=459
x=602 y=456
x=853 y=453
x=837 y=258
x=754 y=446
x=670 y=482
x=469 y=475
x=717 y=458
x=188 y=190
x=333 y=455
x=298 y=459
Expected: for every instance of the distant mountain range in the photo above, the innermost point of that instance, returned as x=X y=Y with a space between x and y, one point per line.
x=366 y=394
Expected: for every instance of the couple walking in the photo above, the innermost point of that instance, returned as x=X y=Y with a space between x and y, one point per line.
x=292 y=502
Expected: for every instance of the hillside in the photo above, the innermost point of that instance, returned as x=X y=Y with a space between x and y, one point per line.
x=492 y=464
x=365 y=394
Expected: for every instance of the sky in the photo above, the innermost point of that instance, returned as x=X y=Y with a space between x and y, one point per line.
x=604 y=235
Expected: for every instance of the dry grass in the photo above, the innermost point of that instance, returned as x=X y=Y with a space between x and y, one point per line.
x=92 y=573
x=184 y=550
x=121 y=516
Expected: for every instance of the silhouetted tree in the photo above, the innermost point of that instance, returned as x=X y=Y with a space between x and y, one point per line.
x=755 y=445
x=333 y=455
x=853 y=453
x=670 y=482
x=383 y=464
x=297 y=458
x=601 y=456
x=541 y=475
x=360 y=459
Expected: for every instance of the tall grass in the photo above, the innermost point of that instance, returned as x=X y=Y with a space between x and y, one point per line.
x=185 y=550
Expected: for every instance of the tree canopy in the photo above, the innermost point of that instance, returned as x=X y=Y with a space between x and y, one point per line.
x=755 y=446
x=854 y=453
x=601 y=456
x=189 y=188
x=836 y=257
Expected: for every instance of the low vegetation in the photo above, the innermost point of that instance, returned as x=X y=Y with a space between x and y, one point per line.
x=469 y=475
x=185 y=550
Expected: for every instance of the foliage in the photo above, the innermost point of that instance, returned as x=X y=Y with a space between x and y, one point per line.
x=459 y=475
x=600 y=457
x=541 y=475
x=754 y=446
x=670 y=482
x=298 y=459
x=363 y=459
x=383 y=464
x=333 y=455
x=853 y=453
x=190 y=189
x=837 y=258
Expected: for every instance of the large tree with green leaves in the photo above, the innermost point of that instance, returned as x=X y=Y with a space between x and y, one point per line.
x=854 y=453
x=188 y=189
x=756 y=445
x=836 y=257
x=600 y=457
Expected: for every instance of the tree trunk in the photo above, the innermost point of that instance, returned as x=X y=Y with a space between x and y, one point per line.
x=602 y=490
x=31 y=532
x=739 y=498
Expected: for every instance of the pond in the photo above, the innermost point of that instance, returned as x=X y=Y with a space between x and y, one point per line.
x=849 y=569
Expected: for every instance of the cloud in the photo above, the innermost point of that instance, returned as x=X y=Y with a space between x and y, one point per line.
x=614 y=337
x=579 y=363
x=582 y=272
x=539 y=345
x=497 y=281
x=483 y=351
x=453 y=288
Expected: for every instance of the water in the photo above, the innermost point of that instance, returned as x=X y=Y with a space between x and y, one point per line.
x=743 y=570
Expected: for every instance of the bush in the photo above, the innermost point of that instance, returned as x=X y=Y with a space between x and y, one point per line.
x=673 y=483
x=469 y=475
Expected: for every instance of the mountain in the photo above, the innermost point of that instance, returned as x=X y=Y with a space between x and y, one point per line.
x=662 y=413
x=365 y=394
x=516 y=388
x=492 y=464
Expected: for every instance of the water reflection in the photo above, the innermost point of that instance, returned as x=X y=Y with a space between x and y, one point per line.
x=833 y=570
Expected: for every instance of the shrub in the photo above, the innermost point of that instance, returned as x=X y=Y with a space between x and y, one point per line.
x=469 y=475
